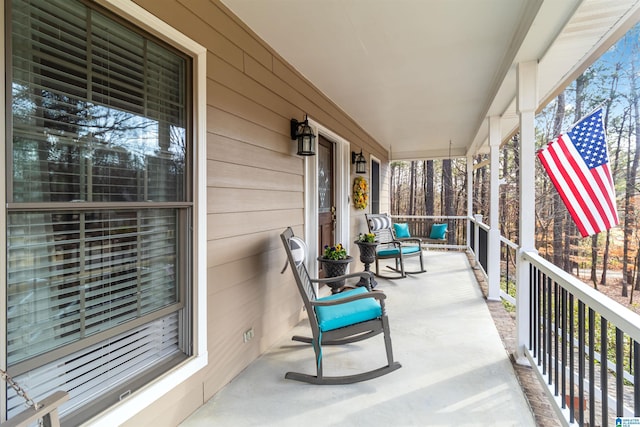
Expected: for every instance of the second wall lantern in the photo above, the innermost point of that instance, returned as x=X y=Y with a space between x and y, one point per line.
x=302 y=132
x=360 y=162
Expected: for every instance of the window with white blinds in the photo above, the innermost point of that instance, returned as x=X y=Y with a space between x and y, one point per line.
x=99 y=206
x=73 y=274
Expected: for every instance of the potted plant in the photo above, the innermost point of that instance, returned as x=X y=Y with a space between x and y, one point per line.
x=335 y=261
x=367 y=244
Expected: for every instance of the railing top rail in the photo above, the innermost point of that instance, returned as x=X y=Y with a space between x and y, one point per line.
x=428 y=217
x=614 y=312
x=509 y=243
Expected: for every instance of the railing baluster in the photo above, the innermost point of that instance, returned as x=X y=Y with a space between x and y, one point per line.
x=572 y=409
x=619 y=372
x=564 y=347
x=604 y=372
x=581 y=333
x=545 y=320
x=592 y=368
x=636 y=379
x=556 y=327
x=532 y=310
x=539 y=307
x=549 y=331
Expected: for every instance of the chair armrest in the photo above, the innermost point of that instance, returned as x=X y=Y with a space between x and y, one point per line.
x=415 y=240
x=374 y=294
x=362 y=274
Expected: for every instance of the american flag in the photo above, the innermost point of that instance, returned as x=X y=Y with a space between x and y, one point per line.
x=578 y=165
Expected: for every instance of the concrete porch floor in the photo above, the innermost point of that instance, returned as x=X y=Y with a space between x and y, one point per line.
x=455 y=369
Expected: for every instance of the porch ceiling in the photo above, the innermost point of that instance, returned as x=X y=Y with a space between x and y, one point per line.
x=419 y=74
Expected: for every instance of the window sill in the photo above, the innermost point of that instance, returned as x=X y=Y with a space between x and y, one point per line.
x=125 y=410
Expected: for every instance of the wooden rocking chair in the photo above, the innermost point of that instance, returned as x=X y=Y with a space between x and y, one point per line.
x=343 y=318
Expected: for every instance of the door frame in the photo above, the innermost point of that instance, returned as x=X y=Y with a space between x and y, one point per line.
x=342 y=187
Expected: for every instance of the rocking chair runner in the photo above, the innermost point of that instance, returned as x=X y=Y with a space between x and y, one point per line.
x=394 y=248
x=343 y=318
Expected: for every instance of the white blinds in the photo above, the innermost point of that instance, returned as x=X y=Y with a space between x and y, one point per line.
x=74 y=274
x=99 y=111
x=91 y=373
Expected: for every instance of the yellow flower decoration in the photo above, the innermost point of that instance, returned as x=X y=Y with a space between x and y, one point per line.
x=360 y=193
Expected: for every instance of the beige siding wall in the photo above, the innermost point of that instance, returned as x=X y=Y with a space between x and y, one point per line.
x=255 y=188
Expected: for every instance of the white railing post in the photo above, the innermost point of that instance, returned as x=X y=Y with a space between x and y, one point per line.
x=493 y=247
x=469 y=197
x=527 y=76
x=476 y=238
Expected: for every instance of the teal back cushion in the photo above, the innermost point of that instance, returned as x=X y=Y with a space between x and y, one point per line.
x=401 y=230
x=438 y=231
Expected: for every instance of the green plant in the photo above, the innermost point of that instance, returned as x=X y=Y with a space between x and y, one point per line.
x=335 y=252
x=367 y=237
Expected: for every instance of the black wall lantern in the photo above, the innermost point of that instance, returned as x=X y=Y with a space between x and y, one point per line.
x=360 y=161
x=303 y=133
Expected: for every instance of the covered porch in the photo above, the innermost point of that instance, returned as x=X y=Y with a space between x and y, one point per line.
x=456 y=369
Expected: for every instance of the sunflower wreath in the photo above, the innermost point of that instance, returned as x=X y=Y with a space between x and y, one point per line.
x=360 y=193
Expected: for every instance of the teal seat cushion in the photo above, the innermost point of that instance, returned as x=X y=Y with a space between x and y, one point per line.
x=438 y=231
x=350 y=313
x=395 y=251
x=401 y=230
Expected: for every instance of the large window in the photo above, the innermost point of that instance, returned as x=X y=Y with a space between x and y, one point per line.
x=99 y=203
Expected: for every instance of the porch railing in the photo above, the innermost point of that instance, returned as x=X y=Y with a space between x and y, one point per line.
x=585 y=346
x=420 y=226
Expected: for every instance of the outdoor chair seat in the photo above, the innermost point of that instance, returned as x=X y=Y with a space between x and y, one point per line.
x=391 y=246
x=396 y=251
x=338 y=316
x=338 y=319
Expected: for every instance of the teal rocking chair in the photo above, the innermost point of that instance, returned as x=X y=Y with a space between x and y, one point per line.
x=343 y=318
x=398 y=248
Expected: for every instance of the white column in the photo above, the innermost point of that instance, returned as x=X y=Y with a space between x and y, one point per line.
x=493 y=258
x=526 y=105
x=469 y=197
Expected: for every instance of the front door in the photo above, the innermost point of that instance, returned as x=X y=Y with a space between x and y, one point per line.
x=326 y=196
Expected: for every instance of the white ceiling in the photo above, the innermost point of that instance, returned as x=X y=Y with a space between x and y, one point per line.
x=422 y=76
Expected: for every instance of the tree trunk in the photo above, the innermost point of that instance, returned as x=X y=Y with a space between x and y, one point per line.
x=412 y=188
x=447 y=185
x=428 y=188
x=594 y=239
x=630 y=187
x=636 y=154
x=614 y=172
x=558 y=207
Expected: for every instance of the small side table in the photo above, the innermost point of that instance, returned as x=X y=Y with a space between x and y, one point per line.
x=367 y=256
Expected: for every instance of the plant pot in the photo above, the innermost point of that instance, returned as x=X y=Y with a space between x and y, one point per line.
x=367 y=251
x=335 y=268
x=367 y=257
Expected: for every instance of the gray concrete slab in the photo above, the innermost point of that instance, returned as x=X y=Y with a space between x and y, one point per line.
x=455 y=370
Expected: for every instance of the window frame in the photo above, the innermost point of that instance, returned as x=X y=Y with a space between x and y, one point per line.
x=375 y=185
x=136 y=16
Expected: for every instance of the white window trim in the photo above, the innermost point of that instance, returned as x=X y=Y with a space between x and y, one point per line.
x=3 y=221
x=139 y=401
